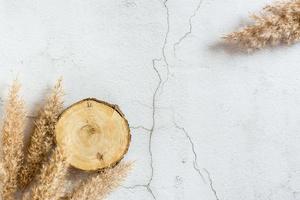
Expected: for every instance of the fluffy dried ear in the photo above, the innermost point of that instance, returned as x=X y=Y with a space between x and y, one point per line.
x=95 y=134
x=99 y=185
x=42 y=139
x=50 y=181
x=12 y=135
x=277 y=24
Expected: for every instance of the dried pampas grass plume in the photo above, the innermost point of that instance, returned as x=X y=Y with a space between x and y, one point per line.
x=100 y=185
x=50 y=181
x=42 y=139
x=277 y=24
x=45 y=167
x=12 y=141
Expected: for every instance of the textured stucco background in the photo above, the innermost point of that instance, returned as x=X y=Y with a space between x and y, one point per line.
x=207 y=123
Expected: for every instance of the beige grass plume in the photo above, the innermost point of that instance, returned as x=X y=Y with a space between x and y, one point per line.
x=277 y=24
x=49 y=184
x=42 y=139
x=12 y=141
x=101 y=184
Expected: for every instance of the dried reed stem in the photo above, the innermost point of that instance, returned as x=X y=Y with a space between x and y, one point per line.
x=50 y=182
x=12 y=141
x=101 y=184
x=277 y=24
x=42 y=139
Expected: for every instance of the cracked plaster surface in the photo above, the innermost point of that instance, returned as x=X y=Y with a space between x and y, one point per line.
x=205 y=124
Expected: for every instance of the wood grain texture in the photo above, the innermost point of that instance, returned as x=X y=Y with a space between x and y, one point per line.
x=94 y=134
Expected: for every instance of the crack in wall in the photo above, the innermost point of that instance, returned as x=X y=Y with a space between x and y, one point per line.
x=143 y=186
x=160 y=85
x=154 y=106
x=140 y=127
x=179 y=41
x=195 y=161
x=166 y=35
x=165 y=42
x=151 y=130
x=211 y=184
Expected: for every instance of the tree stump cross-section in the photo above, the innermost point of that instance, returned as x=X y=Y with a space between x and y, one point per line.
x=94 y=134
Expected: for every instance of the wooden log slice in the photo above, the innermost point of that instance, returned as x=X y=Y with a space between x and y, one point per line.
x=94 y=134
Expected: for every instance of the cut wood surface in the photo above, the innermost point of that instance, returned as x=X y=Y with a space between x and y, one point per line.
x=94 y=134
